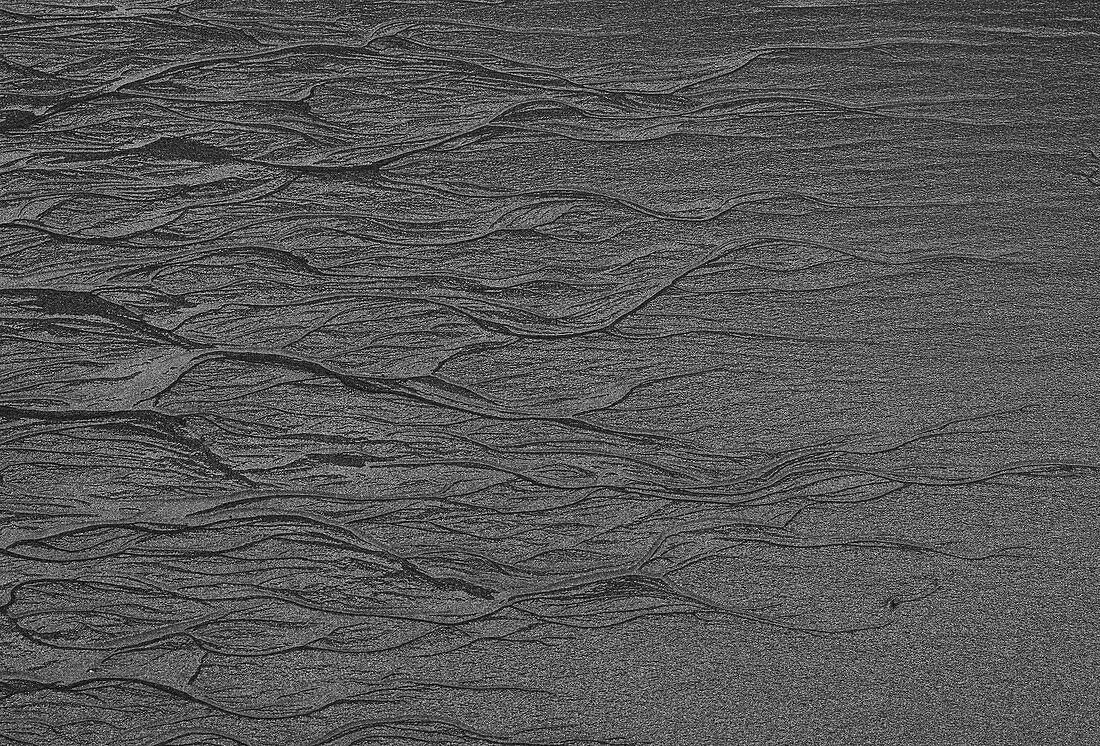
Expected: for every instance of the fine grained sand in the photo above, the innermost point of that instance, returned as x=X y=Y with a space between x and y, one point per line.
x=521 y=372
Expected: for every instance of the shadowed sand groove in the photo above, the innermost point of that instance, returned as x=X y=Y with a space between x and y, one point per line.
x=533 y=373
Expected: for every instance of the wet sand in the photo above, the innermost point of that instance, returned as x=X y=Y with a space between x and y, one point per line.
x=543 y=373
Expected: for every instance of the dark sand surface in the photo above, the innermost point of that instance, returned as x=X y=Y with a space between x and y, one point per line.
x=517 y=372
